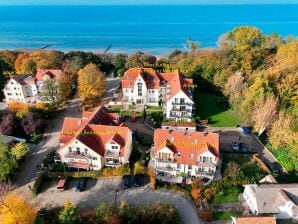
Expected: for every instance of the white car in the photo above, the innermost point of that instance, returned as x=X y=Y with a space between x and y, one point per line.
x=235 y=146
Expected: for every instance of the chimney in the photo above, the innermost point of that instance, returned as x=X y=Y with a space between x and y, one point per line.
x=205 y=133
x=79 y=122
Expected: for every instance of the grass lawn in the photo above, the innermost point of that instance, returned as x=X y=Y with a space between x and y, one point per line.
x=116 y=108
x=158 y=108
x=212 y=108
x=226 y=195
x=225 y=215
x=247 y=165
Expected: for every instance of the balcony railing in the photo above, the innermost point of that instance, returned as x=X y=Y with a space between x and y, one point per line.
x=165 y=168
x=182 y=110
x=206 y=164
x=205 y=173
x=75 y=155
x=112 y=163
x=182 y=103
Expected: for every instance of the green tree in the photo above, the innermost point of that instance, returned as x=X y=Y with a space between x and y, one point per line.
x=7 y=163
x=50 y=90
x=3 y=79
x=69 y=213
x=91 y=82
x=20 y=150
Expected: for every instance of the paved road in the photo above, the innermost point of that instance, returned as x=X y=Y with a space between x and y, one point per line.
x=228 y=135
x=105 y=190
x=27 y=171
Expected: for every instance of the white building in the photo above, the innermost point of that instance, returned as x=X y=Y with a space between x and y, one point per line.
x=271 y=198
x=25 y=88
x=182 y=153
x=94 y=141
x=144 y=86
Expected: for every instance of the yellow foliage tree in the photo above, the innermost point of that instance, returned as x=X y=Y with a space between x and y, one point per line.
x=91 y=82
x=20 y=108
x=15 y=209
x=139 y=168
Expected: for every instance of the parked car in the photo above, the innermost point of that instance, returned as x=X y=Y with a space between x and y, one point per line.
x=81 y=185
x=62 y=184
x=138 y=181
x=245 y=130
x=243 y=147
x=126 y=182
x=133 y=118
x=235 y=146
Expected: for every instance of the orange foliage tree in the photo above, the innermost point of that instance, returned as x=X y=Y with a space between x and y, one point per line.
x=20 y=108
x=196 y=189
x=15 y=209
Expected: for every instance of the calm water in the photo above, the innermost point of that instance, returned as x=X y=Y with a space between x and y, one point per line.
x=155 y=29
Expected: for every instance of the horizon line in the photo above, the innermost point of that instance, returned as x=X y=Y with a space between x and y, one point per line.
x=155 y=4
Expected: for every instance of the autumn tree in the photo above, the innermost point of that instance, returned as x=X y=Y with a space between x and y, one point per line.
x=234 y=88
x=21 y=109
x=8 y=124
x=140 y=59
x=151 y=173
x=196 y=189
x=232 y=170
x=244 y=46
x=65 y=88
x=69 y=213
x=287 y=55
x=206 y=215
x=16 y=209
x=33 y=123
x=191 y=45
x=281 y=132
x=264 y=113
x=91 y=82
x=20 y=150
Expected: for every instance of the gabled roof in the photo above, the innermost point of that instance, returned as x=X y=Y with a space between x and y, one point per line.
x=270 y=196
x=148 y=75
x=53 y=73
x=92 y=130
x=190 y=145
x=23 y=79
x=255 y=220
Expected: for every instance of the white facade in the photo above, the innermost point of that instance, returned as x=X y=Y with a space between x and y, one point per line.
x=179 y=107
x=15 y=91
x=164 y=163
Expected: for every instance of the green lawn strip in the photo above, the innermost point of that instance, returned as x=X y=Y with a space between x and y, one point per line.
x=226 y=195
x=213 y=108
x=225 y=215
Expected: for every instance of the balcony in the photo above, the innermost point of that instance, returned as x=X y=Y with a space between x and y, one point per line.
x=162 y=160
x=182 y=110
x=165 y=168
x=205 y=173
x=206 y=164
x=110 y=154
x=75 y=155
x=112 y=162
x=182 y=103
x=79 y=165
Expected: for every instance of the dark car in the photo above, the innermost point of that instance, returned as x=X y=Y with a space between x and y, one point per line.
x=81 y=185
x=243 y=147
x=126 y=182
x=138 y=181
x=245 y=130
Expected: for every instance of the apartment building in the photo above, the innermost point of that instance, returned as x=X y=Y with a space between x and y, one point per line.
x=26 y=88
x=182 y=153
x=144 y=86
x=96 y=140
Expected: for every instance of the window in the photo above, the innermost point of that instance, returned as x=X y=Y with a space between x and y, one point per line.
x=191 y=155
x=179 y=154
x=140 y=86
x=114 y=147
x=69 y=149
x=78 y=150
x=94 y=158
x=189 y=167
x=86 y=151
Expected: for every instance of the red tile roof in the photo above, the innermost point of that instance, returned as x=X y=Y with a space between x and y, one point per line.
x=187 y=144
x=92 y=130
x=255 y=220
x=153 y=79
x=148 y=74
x=53 y=73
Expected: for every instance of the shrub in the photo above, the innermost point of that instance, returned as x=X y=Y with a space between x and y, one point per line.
x=206 y=215
x=21 y=109
x=8 y=124
x=139 y=168
x=38 y=183
x=20 y=150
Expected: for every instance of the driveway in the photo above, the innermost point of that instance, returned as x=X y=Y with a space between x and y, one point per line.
x=27 y=170
x=228 y=135
x=105 y=190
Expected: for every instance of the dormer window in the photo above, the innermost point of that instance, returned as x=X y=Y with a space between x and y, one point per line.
x=196 y=141
x=191 y=155
x=179 y=154
x=172 y=139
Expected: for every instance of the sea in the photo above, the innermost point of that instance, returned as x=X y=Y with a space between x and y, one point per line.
x=156 y=29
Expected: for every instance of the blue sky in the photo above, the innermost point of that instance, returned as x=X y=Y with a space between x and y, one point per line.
x=124 y=2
